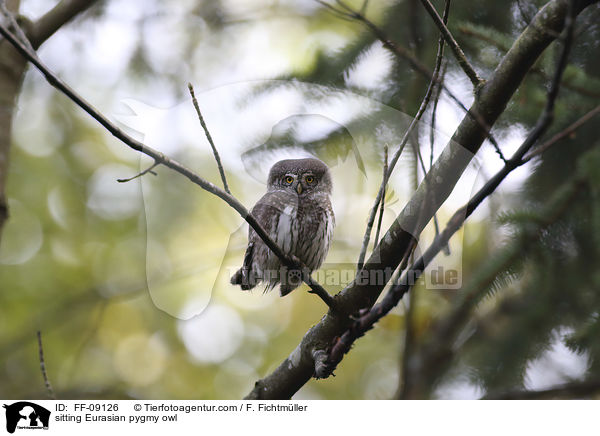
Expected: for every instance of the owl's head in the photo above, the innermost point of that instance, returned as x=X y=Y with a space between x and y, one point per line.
x=302 y=176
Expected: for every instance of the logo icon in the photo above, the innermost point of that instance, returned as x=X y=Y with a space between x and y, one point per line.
x=26 y=415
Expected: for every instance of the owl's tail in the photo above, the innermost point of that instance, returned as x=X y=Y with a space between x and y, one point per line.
x=243 y=276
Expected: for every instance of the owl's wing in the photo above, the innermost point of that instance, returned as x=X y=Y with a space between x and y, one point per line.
x=267 y=211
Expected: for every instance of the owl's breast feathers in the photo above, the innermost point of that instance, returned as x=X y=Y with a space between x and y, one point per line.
x=316 y=224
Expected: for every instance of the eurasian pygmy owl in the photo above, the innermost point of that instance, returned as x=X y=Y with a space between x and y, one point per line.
x=296 y=213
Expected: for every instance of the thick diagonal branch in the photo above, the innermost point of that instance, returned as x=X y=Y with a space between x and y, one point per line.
x=64 y=11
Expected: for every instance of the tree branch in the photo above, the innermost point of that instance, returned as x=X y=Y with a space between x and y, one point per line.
x=562 y=134
x=382 y=202
x=297 y=369
x=55 y=18
x=140 y=174
x=458 y=53
x=162 y=159
x=43 y=366
x=209 y=138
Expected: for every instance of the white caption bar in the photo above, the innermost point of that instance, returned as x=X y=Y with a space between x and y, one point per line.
x=263 y=418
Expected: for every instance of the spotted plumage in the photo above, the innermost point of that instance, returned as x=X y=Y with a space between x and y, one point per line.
x=296 y=212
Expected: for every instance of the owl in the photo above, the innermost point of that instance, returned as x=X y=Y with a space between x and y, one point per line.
x=296 y=213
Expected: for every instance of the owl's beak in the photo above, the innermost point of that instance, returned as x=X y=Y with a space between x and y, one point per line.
x=299 y=188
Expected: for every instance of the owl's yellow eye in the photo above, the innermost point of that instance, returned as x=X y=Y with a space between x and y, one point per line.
x=288 y=180
x=310 y=180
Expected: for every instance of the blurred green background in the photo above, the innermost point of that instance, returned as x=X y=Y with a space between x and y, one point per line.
x=128 y=282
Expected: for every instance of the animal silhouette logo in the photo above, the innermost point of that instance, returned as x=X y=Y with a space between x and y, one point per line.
x=26 y=415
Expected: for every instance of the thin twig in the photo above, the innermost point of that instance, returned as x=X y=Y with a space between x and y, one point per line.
x=436 y=99
x=43 y=366
x=392 y=164
x=436 y=224
x=458 y=53
x=209 y=137
x=562 y=134
x=57 y=83
x=524 y=15
x=382 y=202
x=363 y=9
x=440 y=70
x=146 y=171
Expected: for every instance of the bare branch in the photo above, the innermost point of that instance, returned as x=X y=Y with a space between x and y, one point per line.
x=363 y=8
x=436 y=99
x=162 y=159
x=458 y=53
x=384 y=182
x=382 y=202
x=562 y=134
x=209 y=137
x=366 y=322
x=43 y=366
x=146 y=171
x=55 y=18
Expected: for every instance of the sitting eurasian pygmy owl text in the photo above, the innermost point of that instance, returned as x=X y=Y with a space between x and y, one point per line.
x=296 y=213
